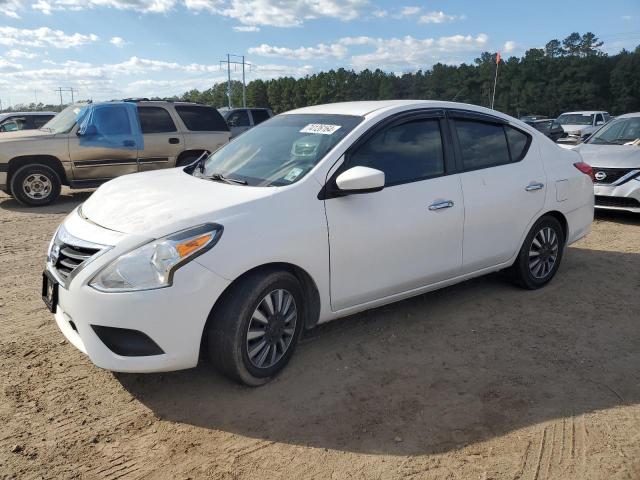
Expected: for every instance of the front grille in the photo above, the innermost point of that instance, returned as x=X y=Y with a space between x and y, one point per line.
x=621 y=202
x=611 y=174
x=71 y=257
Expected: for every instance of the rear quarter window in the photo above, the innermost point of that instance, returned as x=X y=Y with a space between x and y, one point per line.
x=518 y=143
x=201 y=119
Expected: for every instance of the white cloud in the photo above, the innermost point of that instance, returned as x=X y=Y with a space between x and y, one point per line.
x=118 y=42
x=509 y=46
x=143 y=6
x=627 y=17
x=438 y=17
x=280 y=13
x=43 y=37
x=380 y=13
x=409 y=11
x=10 y=8
x=6 y=66
x=417 y=53
x=246 y=28
x=15 y=53
x=320 y=51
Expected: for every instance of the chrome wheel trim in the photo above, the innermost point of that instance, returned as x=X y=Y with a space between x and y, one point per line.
x=543 y=253
x=37 y=186
x=271 y=328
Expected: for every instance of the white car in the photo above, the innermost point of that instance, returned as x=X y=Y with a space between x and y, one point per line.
x=313 y=215
x=579 y=125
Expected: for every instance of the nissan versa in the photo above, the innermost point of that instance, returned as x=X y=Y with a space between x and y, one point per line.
x=313 y=215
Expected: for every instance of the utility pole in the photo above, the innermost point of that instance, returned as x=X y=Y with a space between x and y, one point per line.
x=70 y=90
x=230 y=62
x=495 y=80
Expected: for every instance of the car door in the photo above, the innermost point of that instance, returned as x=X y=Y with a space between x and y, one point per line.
x=503 y=183
x=113 y=155
x=407 y=235
x=162 y=141
x=238 y=121
x=204 y=127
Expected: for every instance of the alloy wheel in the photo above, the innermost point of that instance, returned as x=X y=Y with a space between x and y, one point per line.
x=543 y=253
x=271 y=328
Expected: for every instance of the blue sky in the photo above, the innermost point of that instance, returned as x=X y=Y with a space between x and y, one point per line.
x=115 y=48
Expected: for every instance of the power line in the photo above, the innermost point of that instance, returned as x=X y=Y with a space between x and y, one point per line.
x=244 y=64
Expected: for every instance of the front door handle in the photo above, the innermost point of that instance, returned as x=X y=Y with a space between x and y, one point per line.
x=533 y=186
x=174 y=140
x=440 y=204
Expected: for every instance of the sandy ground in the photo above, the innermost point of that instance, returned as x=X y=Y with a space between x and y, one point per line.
x=478 y=381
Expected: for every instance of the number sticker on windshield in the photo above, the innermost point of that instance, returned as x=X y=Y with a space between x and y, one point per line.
x=293 y=174
x=320 y=128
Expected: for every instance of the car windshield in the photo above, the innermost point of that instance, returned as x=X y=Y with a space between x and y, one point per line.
x=618 y=132
x=279 y=151
x=575 y=119
x=64 y=121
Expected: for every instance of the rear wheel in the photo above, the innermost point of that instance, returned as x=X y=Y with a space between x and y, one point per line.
x=35 y=185
x=540 y=255
x=254 y=330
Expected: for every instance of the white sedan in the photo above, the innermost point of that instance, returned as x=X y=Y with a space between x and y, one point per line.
x=313 y=215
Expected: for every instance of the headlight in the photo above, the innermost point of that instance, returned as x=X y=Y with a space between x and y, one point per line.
x=152 y=265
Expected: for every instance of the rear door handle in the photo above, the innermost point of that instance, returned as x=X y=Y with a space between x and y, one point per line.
x=174 y=140
x=533 y=186
x=440 y=204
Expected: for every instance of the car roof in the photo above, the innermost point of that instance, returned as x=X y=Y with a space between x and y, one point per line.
x=378 y=107
x=26 y=114
x=584 y=112
x=629 y=115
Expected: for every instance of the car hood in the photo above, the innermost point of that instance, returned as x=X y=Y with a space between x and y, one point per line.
x=23 y=135
x=577 y=128
x=158 y=203
x=610 y=156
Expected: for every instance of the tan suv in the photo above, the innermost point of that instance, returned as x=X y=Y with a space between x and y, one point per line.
x=34 y=164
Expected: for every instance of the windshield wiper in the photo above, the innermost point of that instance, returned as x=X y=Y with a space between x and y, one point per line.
x=218 y=177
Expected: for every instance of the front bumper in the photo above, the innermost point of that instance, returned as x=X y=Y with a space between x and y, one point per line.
x=3 y=178
x=624 y=197
x=173 y=317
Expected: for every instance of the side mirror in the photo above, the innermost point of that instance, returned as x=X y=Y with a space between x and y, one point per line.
x=90 y=131
x=360 y=180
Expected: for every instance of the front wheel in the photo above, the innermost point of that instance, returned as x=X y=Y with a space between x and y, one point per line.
x=540 y=255
x=35 y=185
x=255 y=328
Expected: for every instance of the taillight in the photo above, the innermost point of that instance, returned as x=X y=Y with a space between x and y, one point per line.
x=586 y=169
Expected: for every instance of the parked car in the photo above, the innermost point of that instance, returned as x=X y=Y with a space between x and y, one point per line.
x=242 y=119
x=579 y=125
x=549 y=127
x=614 y=154
x=14 y=121
x=533 y=118
x=35 y=164
x=319 y=213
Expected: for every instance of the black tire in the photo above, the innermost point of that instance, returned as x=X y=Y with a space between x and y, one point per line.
x=30 y=198
x=230 y=321
x=527 y=273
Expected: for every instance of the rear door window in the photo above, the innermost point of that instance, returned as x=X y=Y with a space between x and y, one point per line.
x=238 y=118
x=482 y=144
x=41 y=120
x=259 y=116
x=201 y=119
x=155 y=120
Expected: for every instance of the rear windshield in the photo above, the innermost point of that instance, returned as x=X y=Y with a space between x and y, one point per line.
x=201 y=119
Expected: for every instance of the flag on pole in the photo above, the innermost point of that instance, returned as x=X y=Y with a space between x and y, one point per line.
x=497 y=58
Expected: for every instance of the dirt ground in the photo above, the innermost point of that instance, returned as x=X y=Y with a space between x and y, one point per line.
x=477 y=381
